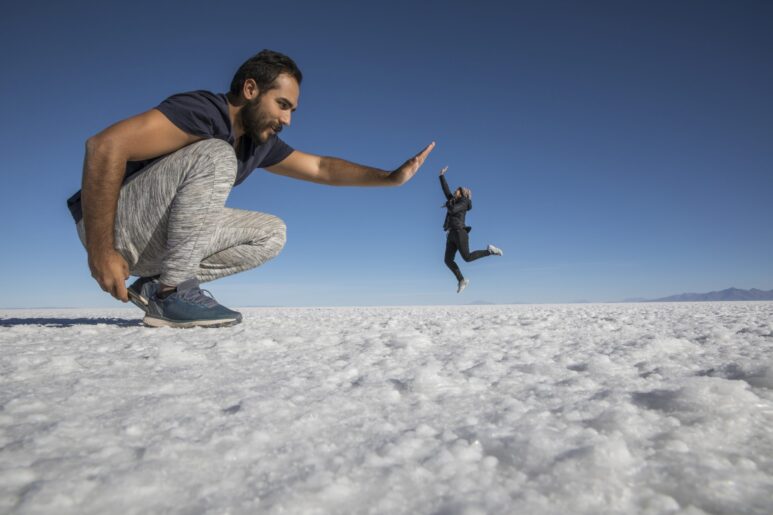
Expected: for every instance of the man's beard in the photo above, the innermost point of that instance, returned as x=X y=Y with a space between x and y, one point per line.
x=255 y=122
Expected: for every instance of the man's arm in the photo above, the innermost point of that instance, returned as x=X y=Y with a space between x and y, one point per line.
x=338 y=172
x=144 y=136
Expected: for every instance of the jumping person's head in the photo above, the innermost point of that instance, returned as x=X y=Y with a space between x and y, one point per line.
x=268 y=86
x=463 y=192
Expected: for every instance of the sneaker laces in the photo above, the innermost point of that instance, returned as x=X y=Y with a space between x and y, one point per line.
x=198 y=296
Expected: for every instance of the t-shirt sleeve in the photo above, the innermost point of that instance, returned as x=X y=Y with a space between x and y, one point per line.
x=195 y=114
x=278 y=153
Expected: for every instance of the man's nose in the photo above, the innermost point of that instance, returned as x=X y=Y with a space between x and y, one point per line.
x=286 y=118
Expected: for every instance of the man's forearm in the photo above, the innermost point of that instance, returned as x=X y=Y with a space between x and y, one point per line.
x=338 y=172
x=103 y=173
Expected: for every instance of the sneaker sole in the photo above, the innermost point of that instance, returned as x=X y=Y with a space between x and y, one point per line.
x=162 y=322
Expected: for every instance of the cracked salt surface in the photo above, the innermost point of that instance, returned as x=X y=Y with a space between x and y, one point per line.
x=626 y=408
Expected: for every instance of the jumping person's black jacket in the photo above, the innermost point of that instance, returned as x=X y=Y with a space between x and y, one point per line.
x=457 y=208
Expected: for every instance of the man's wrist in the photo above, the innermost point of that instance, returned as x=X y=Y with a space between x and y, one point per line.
x=97 y=251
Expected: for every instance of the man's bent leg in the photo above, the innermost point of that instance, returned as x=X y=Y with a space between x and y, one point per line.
x=166 y=214
x=242 y=240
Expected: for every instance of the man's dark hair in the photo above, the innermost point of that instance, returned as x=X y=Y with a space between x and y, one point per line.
x=264 y=67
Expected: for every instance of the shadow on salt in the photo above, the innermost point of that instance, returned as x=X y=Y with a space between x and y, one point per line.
x=70 y=322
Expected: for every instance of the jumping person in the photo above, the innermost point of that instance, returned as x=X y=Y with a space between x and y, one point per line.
x=457 y=205
x=154 y=187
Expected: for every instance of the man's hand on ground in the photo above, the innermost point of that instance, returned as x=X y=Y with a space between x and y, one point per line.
x=110 y=270
x=410 y=167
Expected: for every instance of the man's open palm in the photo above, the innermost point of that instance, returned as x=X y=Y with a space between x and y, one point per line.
x=410 y=167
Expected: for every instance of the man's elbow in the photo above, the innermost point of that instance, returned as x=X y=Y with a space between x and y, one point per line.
x=104 y=141
x=104 y=161
x=96 y=142
x=91 y=145
x=101 y=145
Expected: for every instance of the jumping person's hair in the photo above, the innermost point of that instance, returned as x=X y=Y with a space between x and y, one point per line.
x=264 y=67
x=466 y=193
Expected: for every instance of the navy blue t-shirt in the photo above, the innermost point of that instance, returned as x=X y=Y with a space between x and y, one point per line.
x=205 y=114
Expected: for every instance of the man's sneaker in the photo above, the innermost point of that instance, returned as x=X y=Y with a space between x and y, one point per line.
x=462 y=285
x=189 y=306
x=141 y=290
x=494 y=250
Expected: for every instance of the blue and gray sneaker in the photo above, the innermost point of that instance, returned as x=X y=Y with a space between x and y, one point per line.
x=141 y=290
x=189 y=306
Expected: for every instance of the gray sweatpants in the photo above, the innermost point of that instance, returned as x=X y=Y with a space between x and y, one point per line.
x=172 y=220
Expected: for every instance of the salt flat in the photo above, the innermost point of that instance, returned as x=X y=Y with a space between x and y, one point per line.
x=618 y=408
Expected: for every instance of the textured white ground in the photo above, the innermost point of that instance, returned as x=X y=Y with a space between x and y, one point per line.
x=627 y=408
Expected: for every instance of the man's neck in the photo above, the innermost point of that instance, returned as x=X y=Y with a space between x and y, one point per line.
x=234 y=108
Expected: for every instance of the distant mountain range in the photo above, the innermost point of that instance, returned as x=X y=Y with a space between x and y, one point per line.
x=730 y=294
x=724 y=295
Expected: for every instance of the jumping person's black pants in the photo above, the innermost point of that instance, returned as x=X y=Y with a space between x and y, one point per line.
x=458 y=239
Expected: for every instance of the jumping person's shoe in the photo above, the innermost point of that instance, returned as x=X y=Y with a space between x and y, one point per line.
x=189 y=306
x=462 y=285
x=141 y=290
x=494 y=250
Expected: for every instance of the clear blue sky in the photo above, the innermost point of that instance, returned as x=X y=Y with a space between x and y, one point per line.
x=614 y=149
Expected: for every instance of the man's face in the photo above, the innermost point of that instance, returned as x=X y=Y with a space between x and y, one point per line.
x=266 y=114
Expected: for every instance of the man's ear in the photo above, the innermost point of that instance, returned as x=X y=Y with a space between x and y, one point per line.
x=250 y=90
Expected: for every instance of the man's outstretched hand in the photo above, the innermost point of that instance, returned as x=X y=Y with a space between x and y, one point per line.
x=410 y=167
x=444 y=170
x=110 y=270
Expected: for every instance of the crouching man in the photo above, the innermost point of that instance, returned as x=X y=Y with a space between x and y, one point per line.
x=154 y=188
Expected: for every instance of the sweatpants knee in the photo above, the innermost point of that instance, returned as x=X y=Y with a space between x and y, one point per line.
x=280 y=233
x=217 y=148
x=217 y=156
x=277 y=237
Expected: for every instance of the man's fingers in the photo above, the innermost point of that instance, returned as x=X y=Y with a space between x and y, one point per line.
x=424 y=153
x=412 y=165
x=419 y=158
x=120 y=286
x=115 y=286
x=103 y=282
x=120 y=293
x=111 y=271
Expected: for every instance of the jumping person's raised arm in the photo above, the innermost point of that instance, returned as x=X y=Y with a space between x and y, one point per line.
x=144 y=136
x=444 y=184
x=338 y=172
